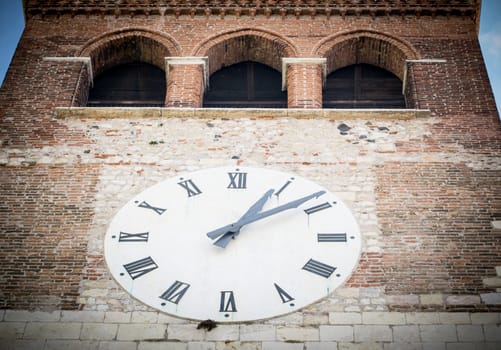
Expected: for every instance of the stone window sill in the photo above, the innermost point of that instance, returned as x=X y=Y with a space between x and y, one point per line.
x=209 y=113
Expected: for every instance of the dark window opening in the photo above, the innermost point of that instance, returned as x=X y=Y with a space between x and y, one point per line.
x=246 y=85
x=363 y=86
x=134 y=84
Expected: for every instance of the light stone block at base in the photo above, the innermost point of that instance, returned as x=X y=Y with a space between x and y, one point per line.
x=438 y=333
x=320 y=345
x=406 y=334
x=141 y=331
x=470 y=333
x=360 y=346
x=201 y=346
x=256 y=332
x=118 y=345
x=52 y=330
x=282 y=346
x=373 y=333
x=71 y=345
x=337 y=333
x=297 y=334
x=99 y=331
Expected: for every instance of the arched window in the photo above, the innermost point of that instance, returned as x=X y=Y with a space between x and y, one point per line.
x=135 y=84
x=246 y=85
x=363 y=86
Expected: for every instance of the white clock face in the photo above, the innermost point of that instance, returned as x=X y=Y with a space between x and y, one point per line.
x=232 y=244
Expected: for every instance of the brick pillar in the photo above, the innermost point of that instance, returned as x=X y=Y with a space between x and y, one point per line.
x=186 y=79
x=417 y=84
x=303 y=78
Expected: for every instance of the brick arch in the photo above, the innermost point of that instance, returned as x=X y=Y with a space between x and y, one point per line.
x=364 y=46
x=246 y=45
x=129 y=45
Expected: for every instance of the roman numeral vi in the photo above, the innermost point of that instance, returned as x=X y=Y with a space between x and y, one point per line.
x=227 y=302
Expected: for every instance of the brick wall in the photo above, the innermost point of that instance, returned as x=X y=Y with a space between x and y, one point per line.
x=45 y=217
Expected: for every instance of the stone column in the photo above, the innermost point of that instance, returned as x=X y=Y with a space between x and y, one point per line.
x=303 y=78
x=186 y=80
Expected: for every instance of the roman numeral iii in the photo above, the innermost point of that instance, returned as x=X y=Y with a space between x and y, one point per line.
x=331 y=237
x=237 y=180
x=190 y=187
x=175 y=292
x=140 y=267
x=316 y=208
x=319 y=268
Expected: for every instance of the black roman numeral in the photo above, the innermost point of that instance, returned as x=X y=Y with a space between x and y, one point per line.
x=283 y=294
x=316 y=208
x=283 y=187
x=319 y=268
x=227 y=303
x=140 y=267
x=190 y=187
x=175 y=292
x=133 y=237
x=237 y=180
x=157 y=210
x=331 y=237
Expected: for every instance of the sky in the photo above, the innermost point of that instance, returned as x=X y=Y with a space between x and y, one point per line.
x=12 y=24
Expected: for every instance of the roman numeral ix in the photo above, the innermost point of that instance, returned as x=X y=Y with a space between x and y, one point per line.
x=133 y=237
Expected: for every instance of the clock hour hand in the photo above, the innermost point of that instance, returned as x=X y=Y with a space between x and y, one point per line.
x=234 y=228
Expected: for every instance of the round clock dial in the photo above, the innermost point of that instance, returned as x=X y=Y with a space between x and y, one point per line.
x=232 y=244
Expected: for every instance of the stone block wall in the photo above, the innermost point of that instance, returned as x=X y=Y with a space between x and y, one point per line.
x=98 y=330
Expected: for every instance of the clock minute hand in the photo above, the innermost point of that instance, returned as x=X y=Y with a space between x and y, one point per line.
x=235 y=227
x=259 y=216
x=293 y=204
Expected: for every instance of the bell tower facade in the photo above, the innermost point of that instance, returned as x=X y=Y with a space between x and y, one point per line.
x=387 y=105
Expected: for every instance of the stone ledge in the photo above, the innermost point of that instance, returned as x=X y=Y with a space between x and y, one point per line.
x=211 y=113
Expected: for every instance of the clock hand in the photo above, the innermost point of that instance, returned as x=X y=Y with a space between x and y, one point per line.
x=234 y=227
x=255 y=208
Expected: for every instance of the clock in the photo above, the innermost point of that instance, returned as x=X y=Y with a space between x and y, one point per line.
x=232 y=244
